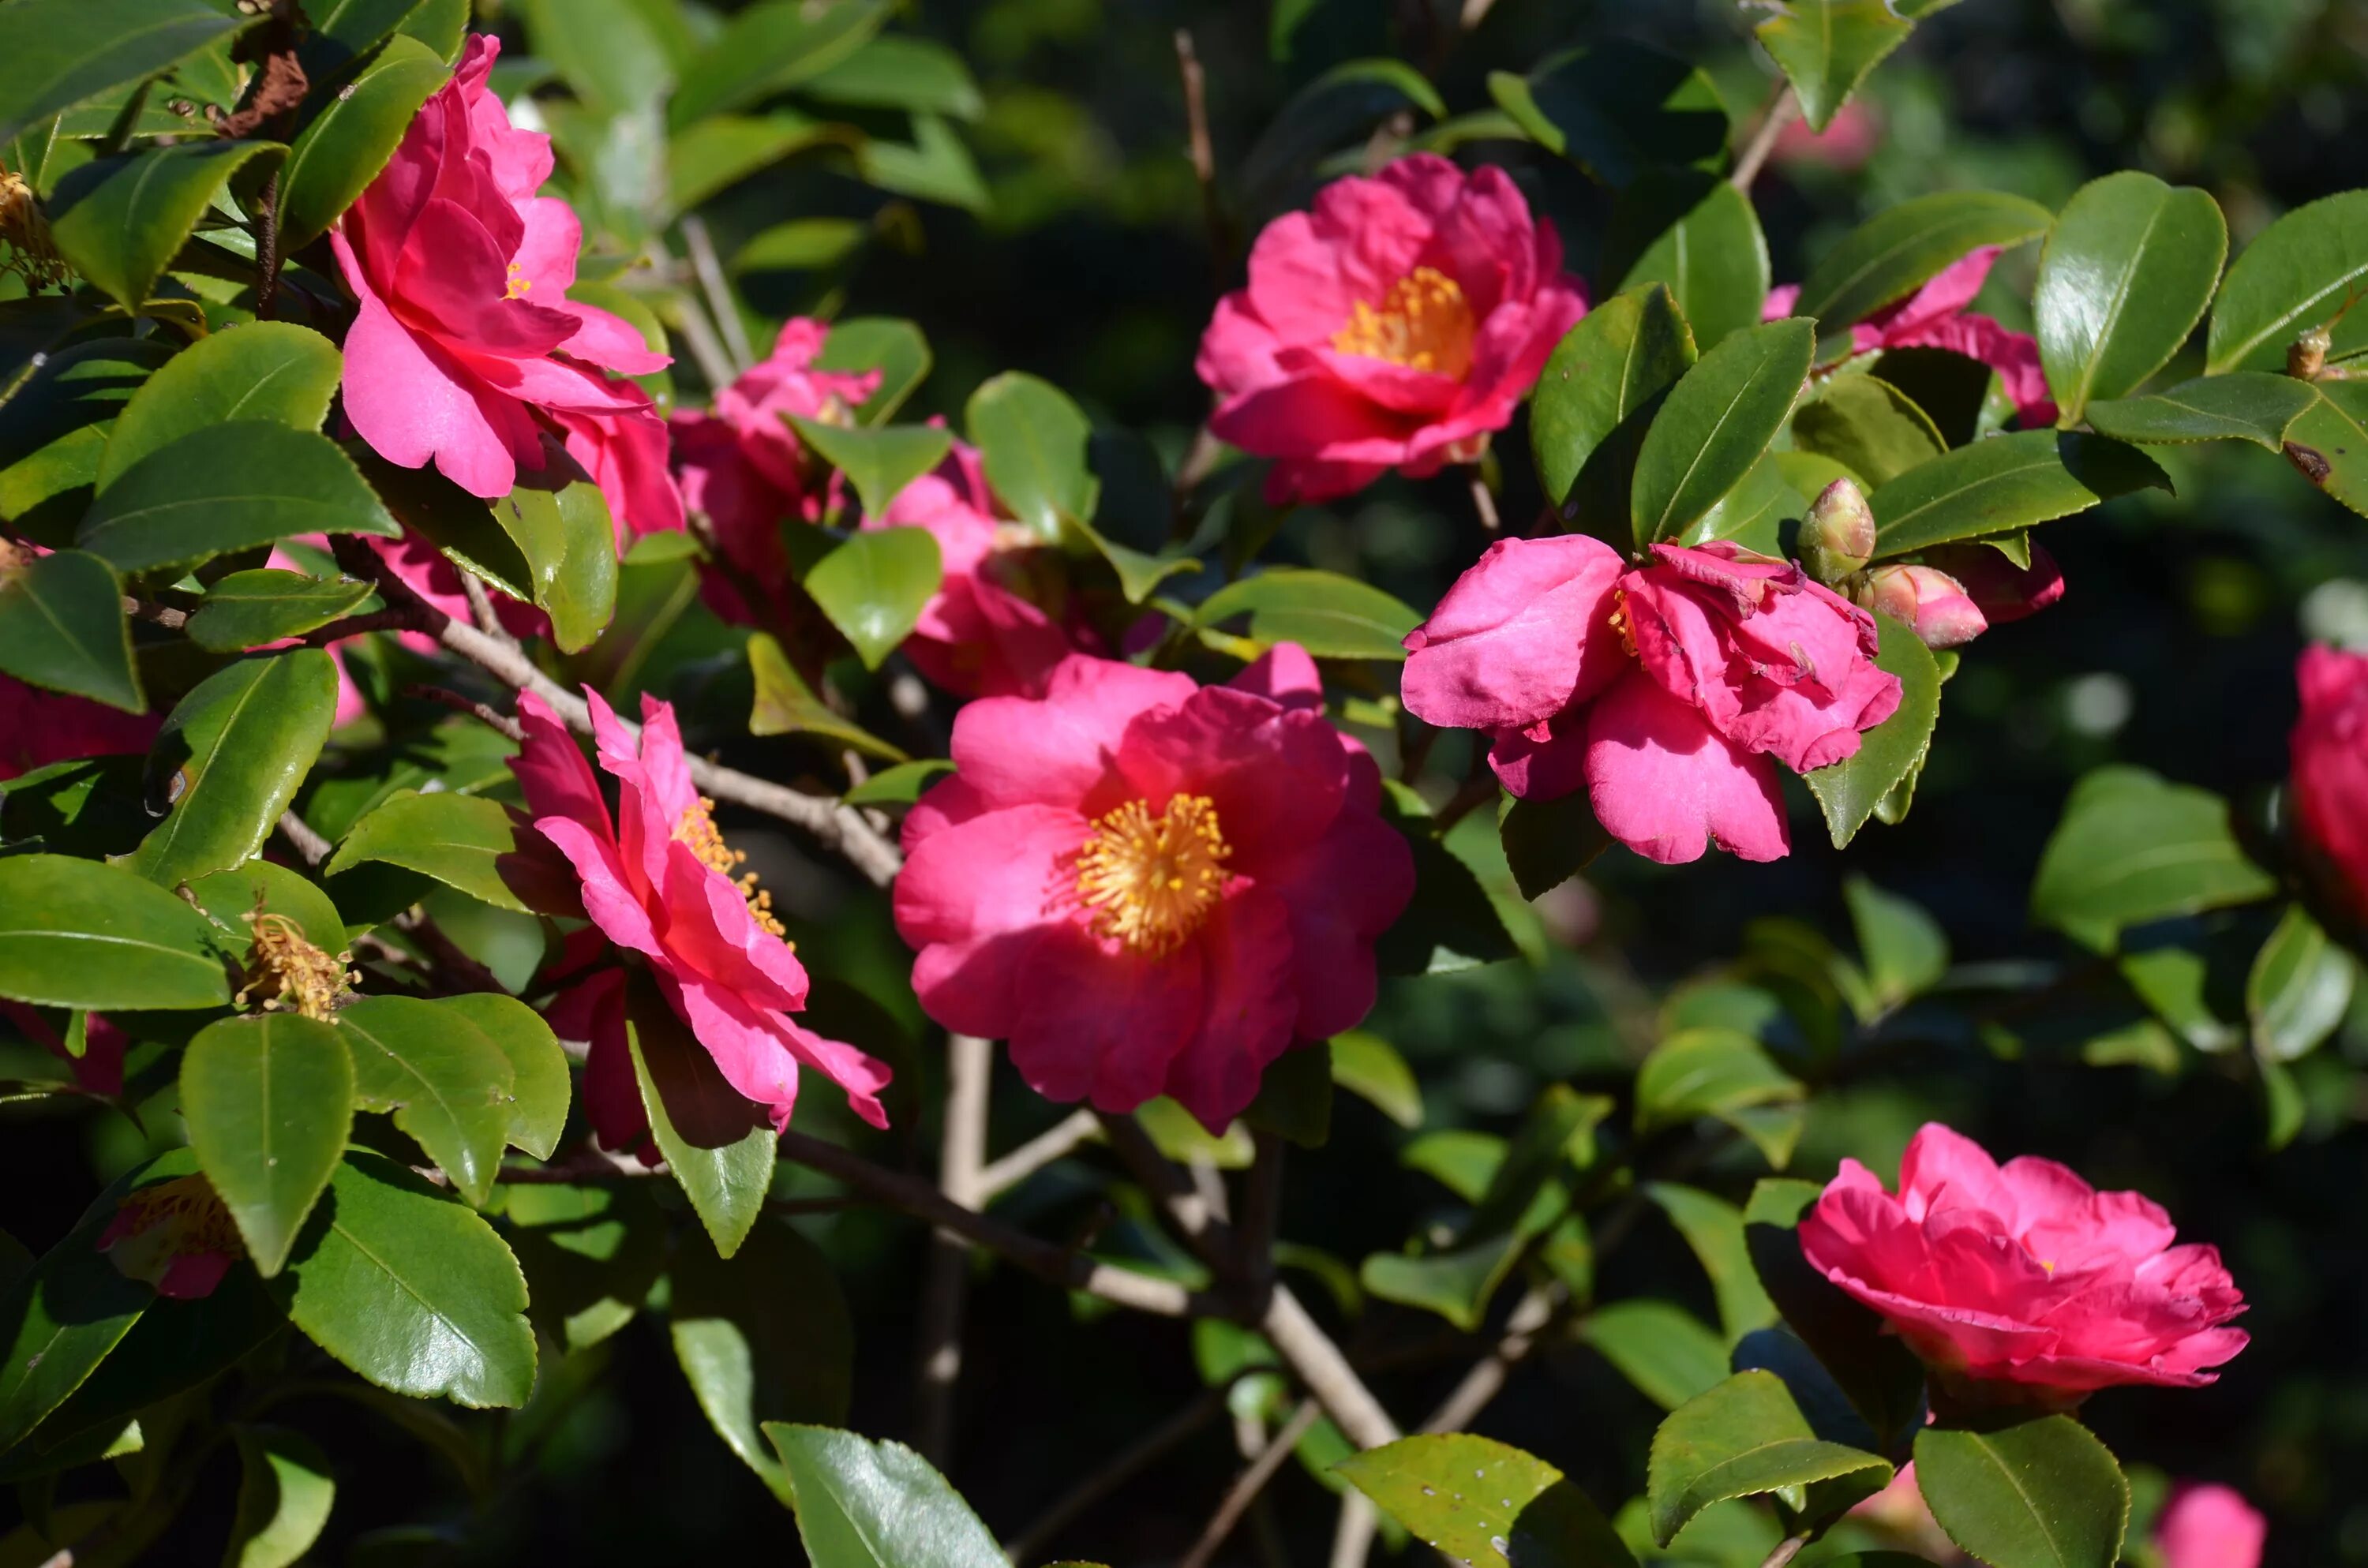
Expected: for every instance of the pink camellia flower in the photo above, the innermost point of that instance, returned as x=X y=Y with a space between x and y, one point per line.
x=1935 y=317
x=1999 y=588
x=37 y=728
x=467 y=350
x=1664 y=689
x=2022 y=1283
x=2329 y=747
x=2208 y=1526
x=659 y=881
x=1148 y=886
x=1394 y=326
x=1847 y=140
x=99 y=1070
x=176 y=1235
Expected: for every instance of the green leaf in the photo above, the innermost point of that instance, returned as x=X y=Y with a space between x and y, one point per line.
x=879 y=461
x=55 y=54
x=539 y=1085
x=1698 y=237
x=898 y=786
x=916 y=75
x=1713 y=1228
x=1868 y=426
x=866 y=1504
x=1371 y=1068
x=895 y=349
x=560 y=523
x=1827 y=47
x=441 y=25
x=229 y=759
x=770 y=49
x=1707 y=1072
x=1033 y=442
x=1618 y=111
x=1478 y=1500
x=285 y=1492
x=62 y=626
x=2243 y=406
x=1904 y=949
x=1548 y=842
x=1597 y=398
x=874 y=585
x=2044 y=1493
x=935 y=166
x=802 y=244
x=2133 y=847
x=2003 y=485
x=266 y=370
x=763 y=1337
x=786 y=705
x=412 y=1291
x=1717 y=424
x=246 y=610
x=449 y=1087
x=2327 y=442
x=1664 y=1350
x=2299 y=988
x=590 y=1252
x=54 y=429
x=618 y=53
x=717 y=1143
x=1902 y=248
x=343 y=31
x=259 y=886
x=1336 y=108
x=2124 y=277
x=2303 y=271
x=1330 y=616
x=1744 y=1439
x=268 y=1100
x=1892 y=753
x=77 y=933
x=1451 y=925
x=120 y=219
x=459 y=840
x=229 y=487
x=61 y=1320
x=1294 y=1097
x=2178 y=986
x=1875 y=1372
x=723 y=149
x=1138 y=574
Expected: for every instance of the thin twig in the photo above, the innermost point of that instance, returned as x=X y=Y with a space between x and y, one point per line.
x=1262 y=1206
x=171 y=620
x=480 y=610
x=946 y=1285
x=1483 y=502
x=1129 y=1463
x=1352 y=1537
x=303 y=839
x=1478 y=790
x=1783 y=107
x=698 y=333
x=1786 y=1550
x=720 y=303
x=1055 y=1143
x=354 y=626
x=1474 y=13
x=1249 y=1484
x=1201 y=149
x=1481 y=1384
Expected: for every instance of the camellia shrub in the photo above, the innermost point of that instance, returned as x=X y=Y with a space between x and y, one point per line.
x=566 y=842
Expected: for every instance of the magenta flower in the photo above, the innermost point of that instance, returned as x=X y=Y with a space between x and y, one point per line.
x=1935 y=317
x=467 y=350
x=2208 y=1526
x=175 y=1235
x=2021 y=1282
x=2329 y=748
x=1148 y=886
x=659 y=881
x=37 y=728
x=1664 y=689
x=1394 y=326
x=1999 y=589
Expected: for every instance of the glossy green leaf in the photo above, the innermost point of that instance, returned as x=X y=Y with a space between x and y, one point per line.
x=285 y=1492
x=247 y=610
x=559 y=521
x=1827 y=47
x=2005 y=484
x=1667 y=1352
x=2133 y=847
x=55 y=54
x=1707 y=1072
x=539 y=1085
x=1618 y=109
x=1891 y=754
x=1596 y=399
x=2179 y=986
x=1868 y=426
x=1337 y=110
x=723 y=149
x=899 y=785
x=1717 y=424
x=441 y=25
x=1033 y=442
x=62 y=626
x=78 y=934
x=120 y=219
x=801 y=245
x=2125 y=275
x=1548 y=842
x=718 y=1144
x=936 y=165
x=1330 y=616
x=268 y=1100
x=1902 y=248
x=54 y=429
x=229 y=759
x=462 y=841
x=1882 y=1382
x=2245 y=407
x=2327 y=442
x=786 y=705
x=1477 y=1500
x=1743 y=1438
x=2303 y=271
x=449 y=1087
x=262 y=887
x=1752 y=512
x=591 y=1253
x=894 y=71
x=2299 y=988
x=2043 y=1493
x=1698 y=237
x=895 y=349
x=768 y=48
x=60 y=1320
x=1713 y=1228
x=866 y=1504
x=879 y=461
x=1139 y=575
x=1905 y=951
x=266 y=370
x=343 y=31
x=765 y=1336
x=225 y=488
x=1371 y=1068
x=618 y=53
x=412 y=1291
x=874 y=585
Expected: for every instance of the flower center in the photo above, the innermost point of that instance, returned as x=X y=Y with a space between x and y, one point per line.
x=1620 y=621
x=1423 y=323
x=286 y=971
x=520 y=283
x=697 y=829
x=1150 y=881
x=195 y=1221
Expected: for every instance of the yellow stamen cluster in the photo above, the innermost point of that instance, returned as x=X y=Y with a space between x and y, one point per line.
x=697 y=829
x=520 y=283
x=1423 y=323
x=200 y=1223
x=1621 y=623
x=1151 y=881
x=36 y=260
x=286 y=971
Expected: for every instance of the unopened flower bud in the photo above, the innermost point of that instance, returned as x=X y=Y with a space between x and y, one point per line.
x=1932 y=603
x=1838 y=535
x=2307 y=355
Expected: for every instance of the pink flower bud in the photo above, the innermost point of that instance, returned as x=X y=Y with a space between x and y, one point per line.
x=1838 y=535
x=1999 y=589
x=1931 y=601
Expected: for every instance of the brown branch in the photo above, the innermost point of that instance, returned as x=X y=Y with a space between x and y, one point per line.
x=1056 y=1143
x=1481 y=1384
x=1129 y=1463
x=354 y=626
x=1249 y=1484
x=1783 y=107
x=1201 y=149
x=961 y=1154
x=171 y=620
x=304 y=840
